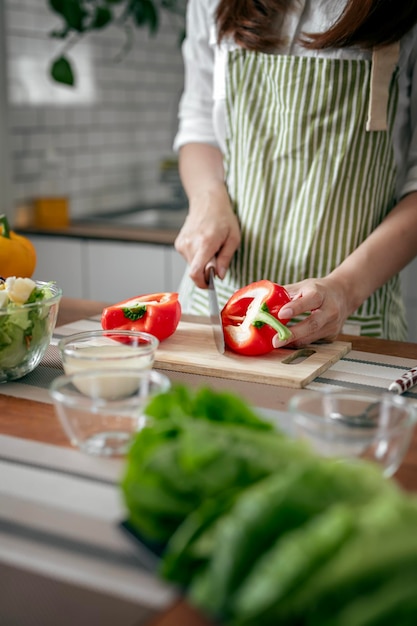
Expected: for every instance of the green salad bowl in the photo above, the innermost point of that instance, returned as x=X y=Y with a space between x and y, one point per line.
x=25 y=333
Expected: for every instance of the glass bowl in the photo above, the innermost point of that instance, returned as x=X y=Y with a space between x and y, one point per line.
x=108 y=348
x=348 y=424
x=25 y=334
x=101 y=410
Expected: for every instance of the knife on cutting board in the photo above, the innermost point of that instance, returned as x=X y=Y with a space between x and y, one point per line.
x=215 y=317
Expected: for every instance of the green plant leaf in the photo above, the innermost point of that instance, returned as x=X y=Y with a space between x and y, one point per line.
x=145 y=12
x=72 y=11
x=85 y=16
x=102 y=17
x=61 y=71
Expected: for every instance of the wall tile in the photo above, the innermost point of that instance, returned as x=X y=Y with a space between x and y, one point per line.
x=112 y=131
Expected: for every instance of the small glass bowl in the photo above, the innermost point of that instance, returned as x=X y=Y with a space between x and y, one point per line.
x=347 y=424
x=101 y=410
x=19 y=352
x=108 y=348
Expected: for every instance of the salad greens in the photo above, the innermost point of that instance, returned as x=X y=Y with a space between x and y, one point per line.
x=258 y=530
x=22 y=328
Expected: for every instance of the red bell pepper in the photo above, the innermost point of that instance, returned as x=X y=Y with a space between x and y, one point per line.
x=250 y=318
x=154 y=313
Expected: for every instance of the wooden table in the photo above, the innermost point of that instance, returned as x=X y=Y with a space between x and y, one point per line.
x=16 y=419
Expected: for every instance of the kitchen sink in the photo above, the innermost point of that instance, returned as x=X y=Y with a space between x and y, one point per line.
x=159 y=217
x=154 y=218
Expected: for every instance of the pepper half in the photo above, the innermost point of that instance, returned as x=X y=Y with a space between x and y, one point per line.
x=155 y=313
x=250 y=318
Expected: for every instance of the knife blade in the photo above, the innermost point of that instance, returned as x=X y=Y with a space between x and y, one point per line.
x=215 y=317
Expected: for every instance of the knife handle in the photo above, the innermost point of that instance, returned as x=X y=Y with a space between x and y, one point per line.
x=210 y=265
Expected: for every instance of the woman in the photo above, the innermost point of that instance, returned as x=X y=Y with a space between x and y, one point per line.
x=298 y=154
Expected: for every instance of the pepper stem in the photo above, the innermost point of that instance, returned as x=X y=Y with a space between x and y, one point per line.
x=4 y=227
x=264 y=317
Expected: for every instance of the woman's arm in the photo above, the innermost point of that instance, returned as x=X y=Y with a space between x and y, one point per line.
x=391 y=246
x=211 y=228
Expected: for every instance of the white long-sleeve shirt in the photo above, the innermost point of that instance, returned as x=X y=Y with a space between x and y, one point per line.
x=202 y=108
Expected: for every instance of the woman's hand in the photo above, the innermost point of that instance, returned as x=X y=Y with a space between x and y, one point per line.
x=329 y=308
x=333 y=298
x=211 y=229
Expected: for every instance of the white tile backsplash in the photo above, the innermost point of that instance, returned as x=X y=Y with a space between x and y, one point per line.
x=111 y=131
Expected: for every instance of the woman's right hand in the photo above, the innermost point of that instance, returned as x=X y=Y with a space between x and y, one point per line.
x=211 y=229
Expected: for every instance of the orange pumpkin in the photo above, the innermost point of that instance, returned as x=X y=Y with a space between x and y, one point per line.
x=17 y=254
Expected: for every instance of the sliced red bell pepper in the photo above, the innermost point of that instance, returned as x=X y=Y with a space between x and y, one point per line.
x=250 y=318
x=154 y=313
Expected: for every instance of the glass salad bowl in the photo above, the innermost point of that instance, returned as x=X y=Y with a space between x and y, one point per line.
x=26 y=329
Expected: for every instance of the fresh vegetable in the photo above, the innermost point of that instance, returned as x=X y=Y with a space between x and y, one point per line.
x=200 y=446
x=258 y=530
x=23 y=328
x=379 y=551
x=17 y=253
x=250 y=318
x=155 y=313
x=269 y=509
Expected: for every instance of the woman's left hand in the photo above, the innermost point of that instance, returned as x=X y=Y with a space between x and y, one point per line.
x=326 y=301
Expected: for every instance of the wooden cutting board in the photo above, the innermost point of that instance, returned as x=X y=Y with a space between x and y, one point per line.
x=192 y=349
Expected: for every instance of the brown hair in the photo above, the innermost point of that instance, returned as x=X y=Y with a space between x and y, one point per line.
x=365 y=23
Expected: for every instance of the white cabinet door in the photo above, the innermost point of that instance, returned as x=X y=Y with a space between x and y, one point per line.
x=107 y=270
x=60 y=259
x=120 y=270
x=175 y=268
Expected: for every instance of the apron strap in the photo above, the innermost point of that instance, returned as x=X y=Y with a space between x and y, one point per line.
x=384 y=61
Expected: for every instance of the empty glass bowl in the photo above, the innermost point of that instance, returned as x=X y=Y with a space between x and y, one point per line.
x=108 y=348
x=366 y=425
x=101 y=410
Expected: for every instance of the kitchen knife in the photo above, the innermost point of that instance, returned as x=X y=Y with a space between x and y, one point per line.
x=215 y=318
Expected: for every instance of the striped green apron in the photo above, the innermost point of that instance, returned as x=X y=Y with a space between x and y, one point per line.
x=306 y=179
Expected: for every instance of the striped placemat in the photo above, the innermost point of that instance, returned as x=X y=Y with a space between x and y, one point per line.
x=356 y=370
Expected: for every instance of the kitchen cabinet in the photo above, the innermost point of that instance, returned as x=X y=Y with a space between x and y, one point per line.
x=61 y=259
x=175 y=268
x=106 y=270
x=119 y=270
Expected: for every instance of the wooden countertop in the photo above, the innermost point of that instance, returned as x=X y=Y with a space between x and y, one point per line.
x=106 y=231
x=34 y=420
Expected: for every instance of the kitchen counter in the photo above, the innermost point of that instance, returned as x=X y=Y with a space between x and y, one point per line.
x=105 y=231
x=28 y=423
x=158 y=224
